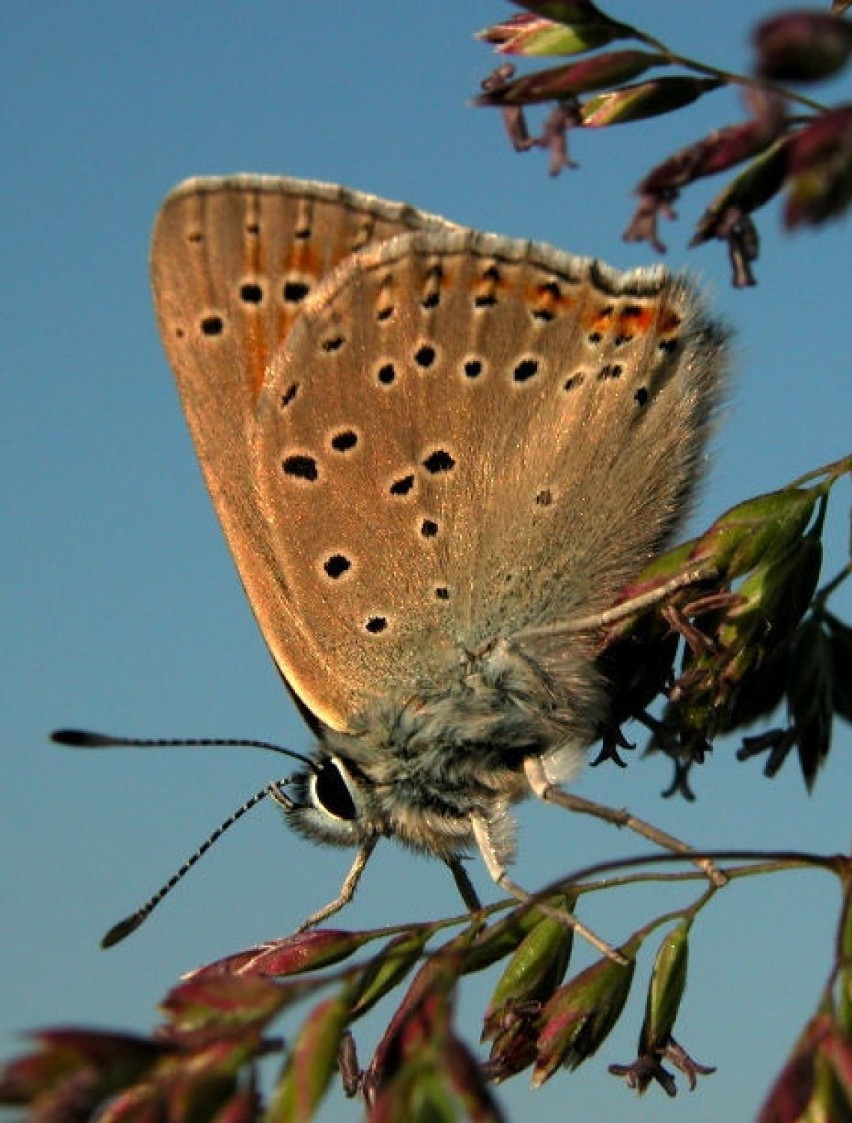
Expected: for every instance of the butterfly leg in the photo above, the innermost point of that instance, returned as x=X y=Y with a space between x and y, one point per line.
x=547 y=791
x=347 y=889
x=464 y=884
x=579 y=624
x=497 y=869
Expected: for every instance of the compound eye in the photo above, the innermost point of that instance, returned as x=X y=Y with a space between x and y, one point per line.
x=331 y=793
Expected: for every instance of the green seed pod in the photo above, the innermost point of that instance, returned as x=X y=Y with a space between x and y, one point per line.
x=665 y=991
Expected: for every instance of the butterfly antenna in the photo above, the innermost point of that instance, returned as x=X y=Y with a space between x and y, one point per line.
x=87 y=739
x=129 y=924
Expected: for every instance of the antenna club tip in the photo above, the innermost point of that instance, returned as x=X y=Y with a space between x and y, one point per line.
x=81 y=738
x=122 y=930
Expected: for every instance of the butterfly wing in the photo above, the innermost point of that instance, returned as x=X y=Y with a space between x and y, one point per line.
x=234 y=262
x=464 y=436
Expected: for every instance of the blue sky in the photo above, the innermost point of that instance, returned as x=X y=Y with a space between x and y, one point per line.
x=121 y=609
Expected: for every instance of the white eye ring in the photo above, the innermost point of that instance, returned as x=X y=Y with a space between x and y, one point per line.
x=332 y=808
x=333 y=792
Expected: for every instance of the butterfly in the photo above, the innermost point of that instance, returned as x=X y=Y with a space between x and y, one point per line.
x=430 y=449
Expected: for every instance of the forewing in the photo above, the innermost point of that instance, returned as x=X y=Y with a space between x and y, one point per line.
x=234 y=262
